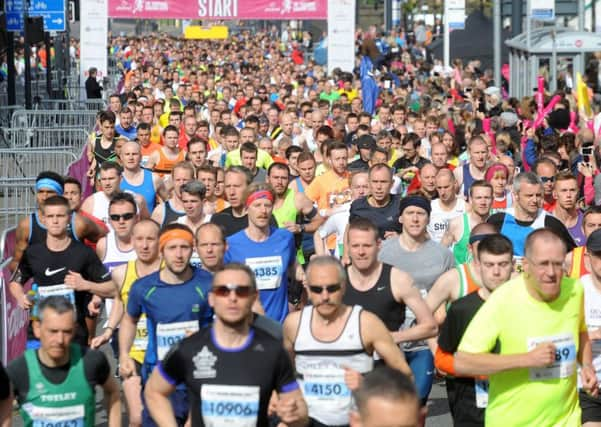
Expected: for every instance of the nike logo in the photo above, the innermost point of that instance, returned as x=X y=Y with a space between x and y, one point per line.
x=380 y=288
x=49 y=272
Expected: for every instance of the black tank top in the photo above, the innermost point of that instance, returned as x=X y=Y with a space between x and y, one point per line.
x=104 y=154
x=379 y=300
x=37 y=232
x=171 y=214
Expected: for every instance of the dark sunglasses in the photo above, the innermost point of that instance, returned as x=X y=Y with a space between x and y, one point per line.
x=225 y=290
x=330 y=288
x=125 y=216
x=547 y=179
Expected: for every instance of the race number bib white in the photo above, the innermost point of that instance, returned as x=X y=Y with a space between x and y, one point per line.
x=141 y=339
x=327 y=385
x=229 y=405
x=56 y=290
x=481 y=388
x=268 y=271
x=169 y=334
x=565 y=357
x=69 y=416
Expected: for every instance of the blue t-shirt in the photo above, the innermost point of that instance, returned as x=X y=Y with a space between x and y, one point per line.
x=172 y=311
x=269 y=260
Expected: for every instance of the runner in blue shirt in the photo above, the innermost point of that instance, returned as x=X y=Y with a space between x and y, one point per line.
x=174 y=300
x=269 y=251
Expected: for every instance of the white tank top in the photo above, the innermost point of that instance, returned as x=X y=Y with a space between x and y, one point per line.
x=114 y=257
x=592 y=316
x=439 y=219
x=320 y=367
x=101 y=207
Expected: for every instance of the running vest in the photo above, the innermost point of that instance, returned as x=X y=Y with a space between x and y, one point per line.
x=146 y=189
x=439 y=218
x=38 y=232
x=467 y=283
x=113 y=256
x=287 y=211
x=379 y=300
x=102 y=154
x=299 y=185
x=71 y=403
x=518 y=233
x=320 y=364
x=165 y=165
x=592 y=316
x=468 y=180
x=101 y=207
x=138 y=349
x=460 y=249
x=578 y=269
x=171 y=215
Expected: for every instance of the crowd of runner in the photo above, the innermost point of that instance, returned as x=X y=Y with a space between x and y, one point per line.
x=270 y=244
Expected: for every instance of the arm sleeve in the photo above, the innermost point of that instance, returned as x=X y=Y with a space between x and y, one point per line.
x=530 y=152
x=96 y=367
x=95 y=271
x=483 y=331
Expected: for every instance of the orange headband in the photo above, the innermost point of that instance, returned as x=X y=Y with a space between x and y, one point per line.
x=176 y=233
x=261 y=194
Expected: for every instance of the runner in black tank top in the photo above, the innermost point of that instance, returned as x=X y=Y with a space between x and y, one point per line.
x=379 y=300
x=171 y=215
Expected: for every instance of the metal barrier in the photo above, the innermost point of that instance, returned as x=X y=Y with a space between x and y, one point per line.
x=54 y=118
x=72 y=104
x=6 y=113
x=26 y=163
x=71 y=139
x=17 y=198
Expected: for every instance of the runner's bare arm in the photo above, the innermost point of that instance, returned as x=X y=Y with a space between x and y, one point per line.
x=112 y=401
x=22 y=237
x=156 y=393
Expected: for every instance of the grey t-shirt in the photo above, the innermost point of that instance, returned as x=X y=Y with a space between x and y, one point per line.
x=425 y=265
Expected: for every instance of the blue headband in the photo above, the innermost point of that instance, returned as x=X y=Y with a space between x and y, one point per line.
x=49 y=184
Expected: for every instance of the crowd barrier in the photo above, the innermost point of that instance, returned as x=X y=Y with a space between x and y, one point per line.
x=69 y=138
x=23 y=163
x=17 y=199
x=53 y=118
x=71 y=104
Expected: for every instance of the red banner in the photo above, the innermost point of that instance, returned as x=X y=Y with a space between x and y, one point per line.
x=218 y=9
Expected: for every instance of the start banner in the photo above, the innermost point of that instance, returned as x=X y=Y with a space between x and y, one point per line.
x=218 y=9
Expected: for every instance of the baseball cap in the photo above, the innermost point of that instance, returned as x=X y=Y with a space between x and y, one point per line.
x=593 y=243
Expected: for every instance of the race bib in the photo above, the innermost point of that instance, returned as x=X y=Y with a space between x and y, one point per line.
x=481 y=388
x=54 y=290
x=409 y=322
x=169 y=334
x=565 y=357
x=268 y=271
x=229 y=405
x=69 y=416
x=141 y=339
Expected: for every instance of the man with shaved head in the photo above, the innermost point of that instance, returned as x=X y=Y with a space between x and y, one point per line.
x=446 y=207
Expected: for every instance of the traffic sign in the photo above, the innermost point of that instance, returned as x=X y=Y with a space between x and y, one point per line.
x=53 y=12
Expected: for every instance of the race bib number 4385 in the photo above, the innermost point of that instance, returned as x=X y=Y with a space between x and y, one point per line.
x=268 y=271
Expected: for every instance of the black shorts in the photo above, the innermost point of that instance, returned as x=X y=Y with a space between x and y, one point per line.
x=591 y=408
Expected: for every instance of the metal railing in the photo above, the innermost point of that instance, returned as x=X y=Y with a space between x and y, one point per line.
x=17 y=199
x=27 y=163
x=54 y=118
x=71 y=139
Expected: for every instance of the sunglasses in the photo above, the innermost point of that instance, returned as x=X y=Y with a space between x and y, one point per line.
x=125 y=216
x=547 y=179
x=225 y=290
x=330 y=288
